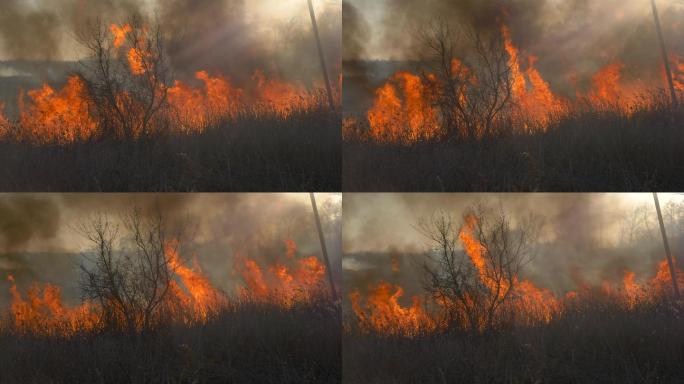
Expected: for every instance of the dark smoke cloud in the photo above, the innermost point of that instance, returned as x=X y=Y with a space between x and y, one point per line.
x=215 y=35
x=572 y=38
x=25 y=219
x=44 y=31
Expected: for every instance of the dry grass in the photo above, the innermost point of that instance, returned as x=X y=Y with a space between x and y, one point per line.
x=253 y=152
x=599 y=342
x=250 y=343
x=592 y=149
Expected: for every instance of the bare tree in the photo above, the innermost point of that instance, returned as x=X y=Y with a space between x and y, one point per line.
x=127 y=76
x=129 y=276
x=474 y=283
x=471 y=92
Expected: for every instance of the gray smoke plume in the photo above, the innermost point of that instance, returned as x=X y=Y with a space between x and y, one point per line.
x=584 y=236
x=215 y=35
x=41 y=241
x=573 y=39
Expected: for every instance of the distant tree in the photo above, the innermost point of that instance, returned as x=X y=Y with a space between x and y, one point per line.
x=471 y=92
x=473 y=289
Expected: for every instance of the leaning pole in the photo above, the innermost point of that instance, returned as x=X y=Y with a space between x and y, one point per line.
x=663 y=51
x=324 y=249
x=666 y=244
x=321 y=56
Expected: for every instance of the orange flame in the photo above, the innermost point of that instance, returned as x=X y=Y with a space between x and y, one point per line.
x=530 y=92
x=403 y=112
x=407 y=120
x=197 y=108
x=67 y=115
x=383 y=313
x=43 y=312
x=203 y=299
x=120 y=33
x=678 y=72
x=606 y=85
x=282 y=284
x=57 y=116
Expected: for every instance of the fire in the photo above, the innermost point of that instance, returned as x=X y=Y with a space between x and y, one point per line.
x=401 y=112
x=191 y=298
x=530 y=92
x=528 y=301
x=43 y=313
x=678 y=72
x=48 y=115
x=196 y=108
x=383 y=313
x=606 y=85
x=136 y=60
x=202 y=299
x=4 y=123
x=282 y=284
x=136 y=54
x=119 y=33
x=281 y=97
x=662 y=281
x=57 y=116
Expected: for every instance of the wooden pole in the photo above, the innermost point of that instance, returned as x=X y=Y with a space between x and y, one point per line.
x=667 y=247
x=324 y=249
x=663 y=51
x=321 y=56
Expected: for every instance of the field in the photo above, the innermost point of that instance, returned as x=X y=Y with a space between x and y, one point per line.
x=250 y=152
x=599 y=343
x=590 y=149
x=247 y=343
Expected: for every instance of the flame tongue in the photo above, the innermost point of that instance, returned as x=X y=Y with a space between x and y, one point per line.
x=404 y=109
x=381 y=312
x=402 y=112
x=282 y=284
x=67 y=115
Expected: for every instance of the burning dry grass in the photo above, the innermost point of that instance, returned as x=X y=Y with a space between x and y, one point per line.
x=628 y=331
x=248 y=342
x=287 y=331
x=411 y=107
x=514 y=302
x=190 y=297
x=596 y=148
x=599 y=342
x=249 y=152
x=124 y=125
x=445 y=129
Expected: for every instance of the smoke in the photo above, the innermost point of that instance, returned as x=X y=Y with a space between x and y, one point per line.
x=25 y=219
x=356 y=32
x=208 y=32
x=573 y=39
x=41 y=240
x=46 y=30
x=582 y=235
x=232 y=37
